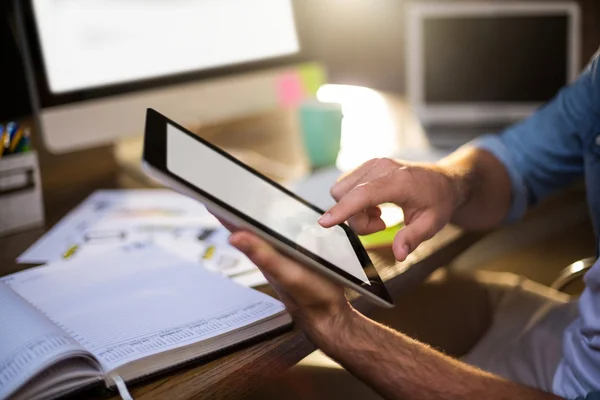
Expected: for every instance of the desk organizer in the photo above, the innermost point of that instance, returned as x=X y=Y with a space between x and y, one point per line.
x=21 y=205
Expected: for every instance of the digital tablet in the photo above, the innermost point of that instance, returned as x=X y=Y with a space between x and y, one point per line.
x=181 y=160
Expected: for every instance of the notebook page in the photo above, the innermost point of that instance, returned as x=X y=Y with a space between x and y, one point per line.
x=122 y=311
x=74 y=374
x=29 y=342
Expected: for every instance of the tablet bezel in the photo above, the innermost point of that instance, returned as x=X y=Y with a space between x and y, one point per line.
x=155 y=154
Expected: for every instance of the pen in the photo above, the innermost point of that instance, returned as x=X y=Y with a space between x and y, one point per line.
x=11 y=128
x=70 y=251
x=15 y=140
x=3 y=140
x=24 y=145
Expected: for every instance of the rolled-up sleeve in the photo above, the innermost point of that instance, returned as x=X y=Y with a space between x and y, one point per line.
x=544 y=153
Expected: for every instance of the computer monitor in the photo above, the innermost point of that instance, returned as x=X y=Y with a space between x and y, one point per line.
x=95 y=66
x=490 y=62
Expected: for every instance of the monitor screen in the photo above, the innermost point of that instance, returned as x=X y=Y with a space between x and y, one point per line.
x=95 y=43
x=494 y=58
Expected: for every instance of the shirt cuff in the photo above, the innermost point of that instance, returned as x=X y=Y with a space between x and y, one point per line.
x=519 y=195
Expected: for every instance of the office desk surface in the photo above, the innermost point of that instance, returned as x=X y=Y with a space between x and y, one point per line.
x=69 y=179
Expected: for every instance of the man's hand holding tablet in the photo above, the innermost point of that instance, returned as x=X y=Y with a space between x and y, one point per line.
x=254 y=203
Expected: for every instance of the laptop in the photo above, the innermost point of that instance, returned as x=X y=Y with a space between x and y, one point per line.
x=476 y=68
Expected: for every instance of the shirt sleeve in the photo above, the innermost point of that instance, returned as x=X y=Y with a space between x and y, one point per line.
x=544 y=153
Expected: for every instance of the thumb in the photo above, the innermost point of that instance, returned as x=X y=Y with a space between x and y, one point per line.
x=269 y=261
x=413 y=234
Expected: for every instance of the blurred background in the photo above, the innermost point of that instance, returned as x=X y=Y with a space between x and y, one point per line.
x=361 y=43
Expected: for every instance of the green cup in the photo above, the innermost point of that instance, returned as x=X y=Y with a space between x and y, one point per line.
x=321 y=131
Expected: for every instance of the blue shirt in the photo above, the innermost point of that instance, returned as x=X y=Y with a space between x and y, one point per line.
x=555 y=146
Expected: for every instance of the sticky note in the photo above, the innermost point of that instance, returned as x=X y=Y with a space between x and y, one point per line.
x=290 y=90
x=313 y=76
x=381 y=239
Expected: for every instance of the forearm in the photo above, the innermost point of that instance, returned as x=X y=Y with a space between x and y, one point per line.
x=398 y=367
x=482 y=188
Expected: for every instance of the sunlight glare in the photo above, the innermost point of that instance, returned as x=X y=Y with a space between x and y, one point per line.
x=367 y=129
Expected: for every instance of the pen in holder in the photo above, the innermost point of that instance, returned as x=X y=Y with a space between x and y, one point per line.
x=21 y=205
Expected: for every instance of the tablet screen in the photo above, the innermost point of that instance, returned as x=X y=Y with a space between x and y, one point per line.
x=259 y=200
x=181 y=159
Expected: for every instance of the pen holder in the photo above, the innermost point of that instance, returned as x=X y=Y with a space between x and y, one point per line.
x=21 y=205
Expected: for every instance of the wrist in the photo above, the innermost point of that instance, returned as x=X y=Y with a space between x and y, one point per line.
x=458 y=184
x=460 y=188
x=325 y=331
x=458 y=170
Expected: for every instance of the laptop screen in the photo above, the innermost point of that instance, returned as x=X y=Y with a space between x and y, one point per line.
x=494 y=58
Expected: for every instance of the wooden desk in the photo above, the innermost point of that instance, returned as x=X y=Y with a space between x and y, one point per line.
x=69 y=179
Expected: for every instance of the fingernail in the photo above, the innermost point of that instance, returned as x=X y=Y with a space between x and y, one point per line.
x=405 y=250
x=325 y=218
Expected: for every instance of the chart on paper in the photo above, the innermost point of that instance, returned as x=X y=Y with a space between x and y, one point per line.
x=111 y=219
